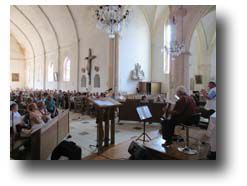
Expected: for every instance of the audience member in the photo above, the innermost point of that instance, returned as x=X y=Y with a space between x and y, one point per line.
x=15 y=117
x=42 y=109
x=51 y=106
x=144 y=99
x=158 y=99
x=35 y=116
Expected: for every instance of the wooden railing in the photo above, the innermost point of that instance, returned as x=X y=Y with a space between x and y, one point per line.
x=128 y=111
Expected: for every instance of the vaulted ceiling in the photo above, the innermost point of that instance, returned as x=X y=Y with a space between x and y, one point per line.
x=44 y=28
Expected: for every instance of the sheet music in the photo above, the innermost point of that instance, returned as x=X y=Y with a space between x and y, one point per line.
x=103 y=103
x=144 y=112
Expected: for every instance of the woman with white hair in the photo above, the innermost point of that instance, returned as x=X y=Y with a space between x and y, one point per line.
x=184 y=108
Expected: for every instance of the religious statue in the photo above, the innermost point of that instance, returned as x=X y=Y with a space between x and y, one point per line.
x=137 y=73
x=83 y=70
x=96 y=68
x=89 y=65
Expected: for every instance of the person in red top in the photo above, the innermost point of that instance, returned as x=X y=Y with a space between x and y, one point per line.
x=183 y=110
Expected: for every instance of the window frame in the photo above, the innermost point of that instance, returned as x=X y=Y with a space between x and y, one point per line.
x=66 y=69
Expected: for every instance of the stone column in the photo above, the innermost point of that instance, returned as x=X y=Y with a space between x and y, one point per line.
x=113 y=81
x=179 y=71
x=59 y=71
x=116 y=69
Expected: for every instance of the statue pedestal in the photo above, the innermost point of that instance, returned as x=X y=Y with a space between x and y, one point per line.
x=153 y=88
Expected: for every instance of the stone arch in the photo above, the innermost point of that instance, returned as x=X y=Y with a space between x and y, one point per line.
x=202 y=43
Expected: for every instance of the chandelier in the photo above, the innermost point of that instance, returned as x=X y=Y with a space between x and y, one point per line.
x=175 y=48
x=110 y=18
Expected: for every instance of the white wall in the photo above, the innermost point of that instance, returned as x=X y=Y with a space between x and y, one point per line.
x=29 y=72
x=90 y=37
x=17 y=63
x=134 y=47
x=202 y=61
x=213 y=64
x=194 y=61
x=39 y=72
x=98 y=41
x=17 y=66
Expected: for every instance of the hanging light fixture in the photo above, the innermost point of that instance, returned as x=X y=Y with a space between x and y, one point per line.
x=110 y=18
x=175 y=48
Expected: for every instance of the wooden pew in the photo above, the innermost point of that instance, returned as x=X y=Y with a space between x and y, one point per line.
x=45 y=139
x=127 y=111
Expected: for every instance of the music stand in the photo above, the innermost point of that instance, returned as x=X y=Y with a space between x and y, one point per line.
x=144 y=114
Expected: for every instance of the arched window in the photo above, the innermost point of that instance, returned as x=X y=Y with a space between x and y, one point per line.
x=96 y=81
x=50 y=72
x=167 y=41
x=66 y=69
x=83 y=81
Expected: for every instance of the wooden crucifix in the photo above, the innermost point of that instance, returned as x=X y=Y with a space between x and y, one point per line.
x=89 y=64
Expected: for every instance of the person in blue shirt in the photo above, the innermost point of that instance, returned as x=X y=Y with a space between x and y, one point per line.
x=210 y=96
x=51 y=106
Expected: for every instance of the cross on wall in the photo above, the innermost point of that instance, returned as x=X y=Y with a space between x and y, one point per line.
x=90 y=58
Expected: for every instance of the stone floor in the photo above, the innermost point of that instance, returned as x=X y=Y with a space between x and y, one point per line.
x=83 y=131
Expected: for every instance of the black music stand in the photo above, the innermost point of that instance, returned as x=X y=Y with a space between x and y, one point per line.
x=144 y=114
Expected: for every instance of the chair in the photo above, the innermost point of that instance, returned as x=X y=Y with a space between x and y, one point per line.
x=193 y=121
x=206 y=114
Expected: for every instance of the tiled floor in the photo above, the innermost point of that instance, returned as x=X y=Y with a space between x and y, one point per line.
x=83 y=131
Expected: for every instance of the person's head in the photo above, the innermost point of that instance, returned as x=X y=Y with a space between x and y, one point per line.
x=32 y=107
x=29 y=100
x=211 y=84
x=180 y=91
x=49 y=98
x=158 y=98
x=40 y=96
x=14 y=107
x=45 y=94
x=144 y=98
x=40 y=105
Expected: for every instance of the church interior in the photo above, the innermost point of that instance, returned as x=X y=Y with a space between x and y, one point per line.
x=112 y=82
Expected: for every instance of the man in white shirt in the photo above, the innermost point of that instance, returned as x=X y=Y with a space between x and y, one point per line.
x=15 y=117
x=210 y=96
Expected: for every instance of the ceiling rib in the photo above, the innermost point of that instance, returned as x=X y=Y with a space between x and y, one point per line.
x=78 y=46
x=12 y=22
x=42 y=42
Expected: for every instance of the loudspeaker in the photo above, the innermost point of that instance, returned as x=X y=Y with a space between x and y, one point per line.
x=137 y=151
